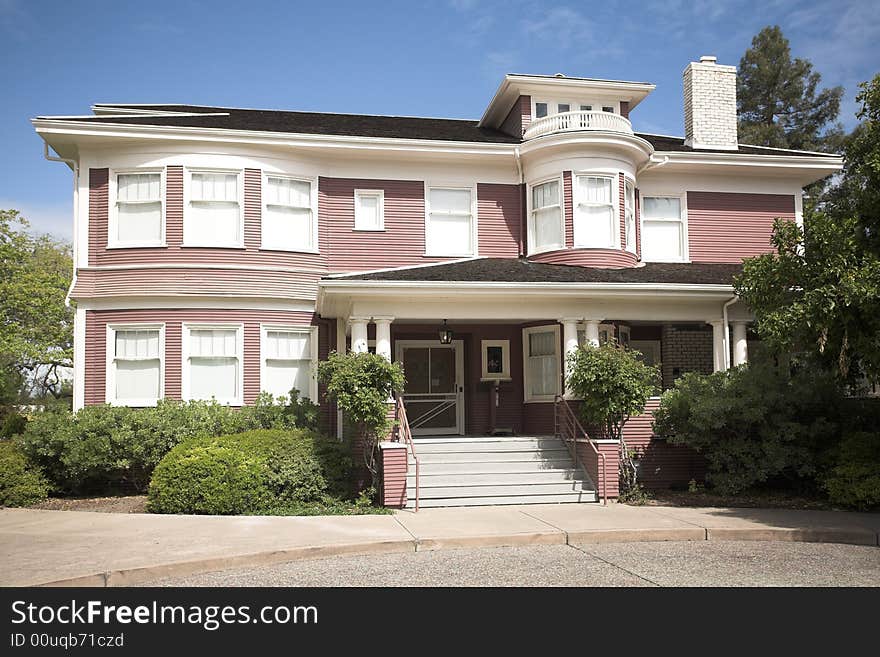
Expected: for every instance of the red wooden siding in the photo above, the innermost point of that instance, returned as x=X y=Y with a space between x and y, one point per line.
x=394 y=477
x=661 y=465
x=96 y=342
x=568 y=209
x=519 y=117
x=727 y=227
x=621 y=207
x=401 y=243
x=607 y=486
x=176 y=280
x=624 y=109
x=499 y=219
x=610 y=258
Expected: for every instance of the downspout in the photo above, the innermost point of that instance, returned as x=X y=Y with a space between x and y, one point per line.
x=523 y=220
x=726 y=334
x=73 y=164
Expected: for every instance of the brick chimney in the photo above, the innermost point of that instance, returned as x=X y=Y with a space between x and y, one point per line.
x=710 y=105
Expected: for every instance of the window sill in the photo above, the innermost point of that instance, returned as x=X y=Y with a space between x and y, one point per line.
x=550 y=400
x=221 y=402
x=239 y=247
x=492 y=379
x=368 y=230
x=139 y=245
x=673 y=260
x=607 y=247
x=450 y=255
x=560 y=247
x=133 y=403
x=279 y=250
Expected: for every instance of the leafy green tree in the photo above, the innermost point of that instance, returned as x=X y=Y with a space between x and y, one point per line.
x=36 y=326
x=612 y=383
x=820 y=292
x=780 y=103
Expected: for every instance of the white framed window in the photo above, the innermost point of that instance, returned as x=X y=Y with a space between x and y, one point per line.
x=586 y=108
x=629 y=215
x=450 y=229
x=289 y=359
x=649 y=349
x=289 y=221
x=563 y=107
x=213 y=362
x=496 y=360
x=541 y=109
x=664 y=229
x=546 y=229
x=135 y=364
x=624 y=334
x=137 y=217
x=595 y=219
x=213 y=208
x=542 y=374
x=607 y=108
x=369 y=209
x=606 y=333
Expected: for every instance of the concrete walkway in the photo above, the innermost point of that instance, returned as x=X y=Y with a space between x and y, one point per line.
x=105 y=549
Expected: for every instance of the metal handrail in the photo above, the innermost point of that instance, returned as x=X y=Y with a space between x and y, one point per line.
x=405 y=431
x=574 y=427
x=578 y=120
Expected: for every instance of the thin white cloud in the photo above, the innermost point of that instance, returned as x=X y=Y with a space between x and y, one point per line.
x=562 y=25
x=53 y=218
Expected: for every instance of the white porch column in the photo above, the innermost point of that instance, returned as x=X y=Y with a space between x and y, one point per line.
x=592 y=332
x=383 y=336
x=359 y=334
x=740 y=344
x=718 y=359
x=570 y=344
x=340 y=349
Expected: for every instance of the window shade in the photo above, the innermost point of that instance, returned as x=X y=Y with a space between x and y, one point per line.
x=287 y=219
x=450 y=229
x=137 y=366
x=213 y=342
x=542 y=364
x=138 y=208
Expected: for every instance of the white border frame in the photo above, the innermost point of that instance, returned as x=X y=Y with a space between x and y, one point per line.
x=313 y=353
x=505 y=360
x=458 y=346
x=553 y=103
x=113 y=208
x=636 y=228
x=615 y=208
x=685 y=247
x=380 y=195
x=313 y=205
x=530 y=232
x=186 y=327
x=187 y=194
x=110 y=356
x=541 y=399
x=472 y=188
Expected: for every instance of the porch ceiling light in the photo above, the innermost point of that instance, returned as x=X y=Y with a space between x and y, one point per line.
x=445 y=334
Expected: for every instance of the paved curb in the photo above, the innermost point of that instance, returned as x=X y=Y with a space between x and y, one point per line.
x=131 y=576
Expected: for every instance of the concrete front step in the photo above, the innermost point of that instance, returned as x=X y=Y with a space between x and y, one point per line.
x=495 y=456
x=485 y=445
x=562 y=498
x=480 y=467
x=496 y=489
x=433 y=478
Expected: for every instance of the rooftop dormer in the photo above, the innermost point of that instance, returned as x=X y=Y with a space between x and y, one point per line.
x=531 y=106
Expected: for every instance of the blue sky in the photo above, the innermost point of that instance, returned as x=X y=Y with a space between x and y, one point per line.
x=435 y=58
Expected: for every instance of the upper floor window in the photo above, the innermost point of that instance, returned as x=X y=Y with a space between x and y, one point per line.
x=563 y=107
x=288 y=219
x=607 y=108
x=629 y=214
x=594 y=221
x=136 y=219
x=212 y=363
x=540 y=110
x=663 y=229
x=213 y=214
x=135 y=356
x=545 y=218
x=450 y=222
x=369 y=209
x=290 y=357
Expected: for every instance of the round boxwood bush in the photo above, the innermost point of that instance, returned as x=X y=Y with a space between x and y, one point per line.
x=21 y=483
x=251 y=472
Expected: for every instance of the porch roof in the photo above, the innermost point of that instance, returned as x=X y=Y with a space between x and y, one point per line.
x=518 y=270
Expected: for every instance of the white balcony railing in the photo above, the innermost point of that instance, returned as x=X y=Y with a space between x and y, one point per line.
x=581 y=120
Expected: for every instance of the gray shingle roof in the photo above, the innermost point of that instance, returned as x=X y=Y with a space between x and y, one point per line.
x=515 y=270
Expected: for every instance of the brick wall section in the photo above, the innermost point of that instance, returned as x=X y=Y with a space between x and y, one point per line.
x=710 y=105
x=393 y=465
x=686 y=349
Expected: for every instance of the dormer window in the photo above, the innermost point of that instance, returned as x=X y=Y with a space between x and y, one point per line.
x=586 y=108
x=564 y=107
x=608 y=108
x=540 y=110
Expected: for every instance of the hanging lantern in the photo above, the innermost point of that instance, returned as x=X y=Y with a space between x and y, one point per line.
x=445 y=334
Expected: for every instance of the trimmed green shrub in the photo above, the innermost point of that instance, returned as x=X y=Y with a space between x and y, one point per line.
x=113 y=448
x=250 y=472
x=21 y=484
x=754 y=424
x=855 y=479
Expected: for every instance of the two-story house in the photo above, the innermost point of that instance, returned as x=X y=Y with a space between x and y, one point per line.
x=220 y=252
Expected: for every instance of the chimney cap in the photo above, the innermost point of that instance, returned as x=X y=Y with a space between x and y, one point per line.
x=708 y=59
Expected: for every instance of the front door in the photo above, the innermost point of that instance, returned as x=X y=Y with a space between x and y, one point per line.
x=434 y=393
